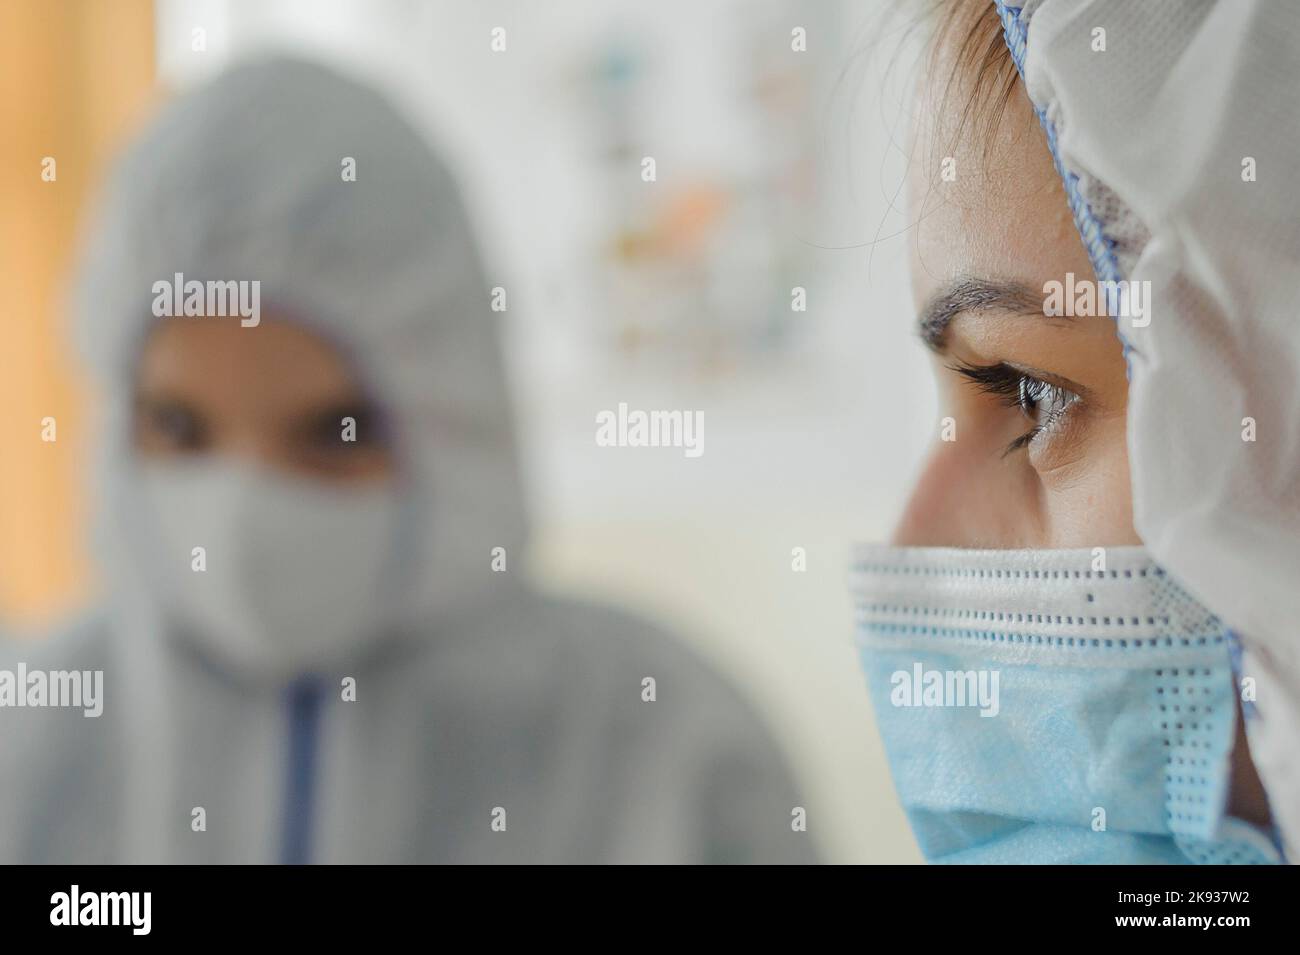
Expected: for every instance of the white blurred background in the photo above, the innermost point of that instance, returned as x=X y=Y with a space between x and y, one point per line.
x=776 y=168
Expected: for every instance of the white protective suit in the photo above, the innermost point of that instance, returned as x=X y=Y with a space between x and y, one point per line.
x=1173 y=124
x=484 y=697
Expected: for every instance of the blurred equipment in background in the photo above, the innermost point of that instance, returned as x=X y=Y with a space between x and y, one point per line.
x=697 y=264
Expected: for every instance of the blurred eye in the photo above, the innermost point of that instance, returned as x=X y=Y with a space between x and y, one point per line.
x=1040 y=401
x=170 y=425
x=345 y=429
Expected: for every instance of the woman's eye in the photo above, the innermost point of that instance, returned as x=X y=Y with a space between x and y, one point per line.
x=343 y=430
x=173 y=425
x=1043 y=403
x=1040 y=401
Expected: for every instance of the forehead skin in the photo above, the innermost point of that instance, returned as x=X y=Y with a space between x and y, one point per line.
x=247 y=371
x=1005 y=215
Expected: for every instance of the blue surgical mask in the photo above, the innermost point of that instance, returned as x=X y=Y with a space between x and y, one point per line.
x=1051 y=706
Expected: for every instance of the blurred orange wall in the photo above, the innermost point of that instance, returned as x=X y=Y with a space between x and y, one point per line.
x=75 y=76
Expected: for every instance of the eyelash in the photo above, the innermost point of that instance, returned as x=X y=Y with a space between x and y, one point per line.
x=1016 y=389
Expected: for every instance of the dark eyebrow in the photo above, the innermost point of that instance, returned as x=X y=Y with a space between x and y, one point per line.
x=973 y=295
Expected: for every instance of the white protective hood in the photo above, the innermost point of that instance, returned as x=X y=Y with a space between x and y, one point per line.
x=1177 y=147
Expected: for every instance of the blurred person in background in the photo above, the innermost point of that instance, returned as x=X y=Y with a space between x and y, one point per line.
x=315 y=642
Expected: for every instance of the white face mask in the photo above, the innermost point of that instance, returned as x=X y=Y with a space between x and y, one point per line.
x=294 y=576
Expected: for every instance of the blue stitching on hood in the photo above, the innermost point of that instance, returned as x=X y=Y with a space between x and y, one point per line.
x=1100 y=246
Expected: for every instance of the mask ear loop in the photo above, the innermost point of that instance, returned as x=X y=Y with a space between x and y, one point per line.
x=1250 y=716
